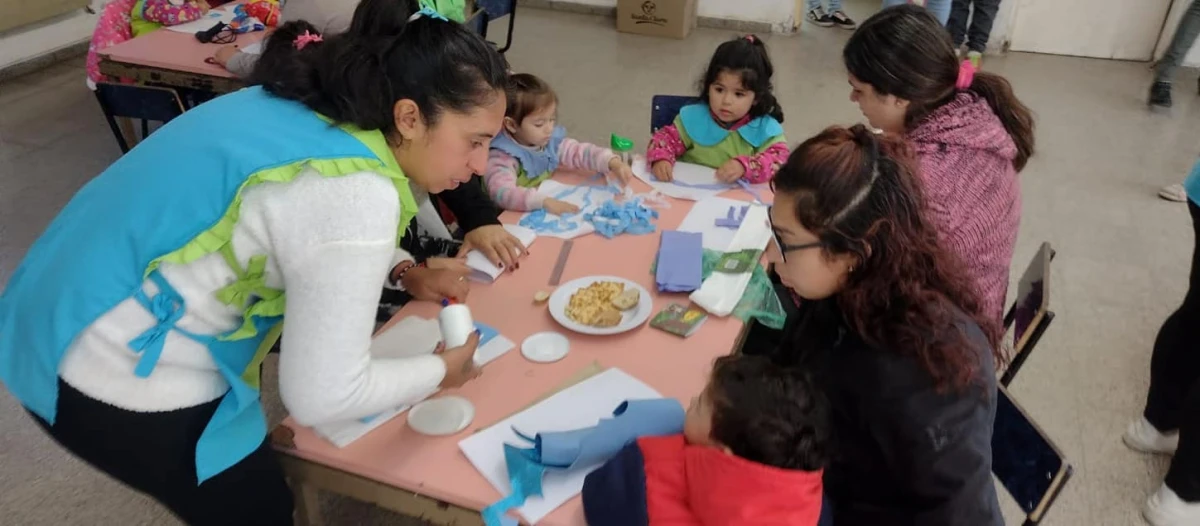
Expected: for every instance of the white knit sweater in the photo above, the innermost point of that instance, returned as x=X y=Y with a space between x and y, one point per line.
x=330 y=244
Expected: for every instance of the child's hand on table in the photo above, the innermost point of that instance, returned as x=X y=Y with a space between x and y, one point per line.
x=618 y=168
x=558 y=208
x=428 y=284
x=663 y=171
x=225 y=54
x=496 y=244
x=460 y=363
x=731 y=171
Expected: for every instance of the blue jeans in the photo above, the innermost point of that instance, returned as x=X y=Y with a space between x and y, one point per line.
x=833 y=5
x=826 y=512
x=939 y=8
x=1185 y=36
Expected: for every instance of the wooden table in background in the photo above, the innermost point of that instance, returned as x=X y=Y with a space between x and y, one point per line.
x=428 y=477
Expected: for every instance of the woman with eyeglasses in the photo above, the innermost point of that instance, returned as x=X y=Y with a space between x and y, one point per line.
x=894 y=330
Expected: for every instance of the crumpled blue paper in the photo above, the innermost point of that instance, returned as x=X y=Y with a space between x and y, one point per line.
x=680 y=261
x=630 y=217
x=566 y=450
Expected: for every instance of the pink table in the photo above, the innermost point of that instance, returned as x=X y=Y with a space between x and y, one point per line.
x=392 y=463
x=173 y=59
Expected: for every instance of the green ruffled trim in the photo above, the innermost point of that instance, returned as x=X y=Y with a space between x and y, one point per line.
x=524 y=181
x=250 y=285
x=138 y=24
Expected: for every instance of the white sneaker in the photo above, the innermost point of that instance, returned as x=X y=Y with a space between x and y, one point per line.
x=1174 y=192
x=1144 y=437
x=1165 y=508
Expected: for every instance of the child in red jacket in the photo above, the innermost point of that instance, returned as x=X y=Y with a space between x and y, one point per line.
x=751 y=453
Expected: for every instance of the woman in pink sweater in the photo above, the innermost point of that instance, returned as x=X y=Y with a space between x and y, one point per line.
x=970 y=132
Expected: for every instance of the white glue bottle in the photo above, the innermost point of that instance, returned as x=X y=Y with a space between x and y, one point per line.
x=456 y=324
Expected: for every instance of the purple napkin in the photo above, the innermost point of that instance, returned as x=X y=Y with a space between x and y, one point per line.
x=680 y=261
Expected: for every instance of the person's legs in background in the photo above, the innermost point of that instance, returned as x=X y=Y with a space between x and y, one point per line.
x=960 y=14
x=1171 y=420
x=816 y=13
x=940 y=9
x=983 y=15
x=1185 y=36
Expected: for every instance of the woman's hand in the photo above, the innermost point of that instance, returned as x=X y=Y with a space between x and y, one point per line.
x=225 y=54
x=429 y=284
x=456 y=264
x=663 y=171
x=496 y=244
x=618 y=168
x=460 y=364
x=731 y=171
x=558 y=208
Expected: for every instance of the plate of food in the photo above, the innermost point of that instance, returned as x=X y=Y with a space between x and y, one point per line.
x=601 y=305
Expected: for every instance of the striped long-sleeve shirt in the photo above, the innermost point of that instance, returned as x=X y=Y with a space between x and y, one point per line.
x=503 y=171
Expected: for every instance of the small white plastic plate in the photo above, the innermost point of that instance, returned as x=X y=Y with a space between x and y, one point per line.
x=545 y=347
x=441 y=416
x=630 y=319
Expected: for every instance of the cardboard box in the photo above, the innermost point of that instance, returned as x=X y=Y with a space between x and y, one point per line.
x=659 y=18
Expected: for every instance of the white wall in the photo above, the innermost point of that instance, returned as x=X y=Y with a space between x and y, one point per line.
x=778 y=13
x=29 y=42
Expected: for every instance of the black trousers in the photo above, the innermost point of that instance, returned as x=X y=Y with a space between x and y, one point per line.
x=154 y=453
x=982 y=19
x=1174 y=399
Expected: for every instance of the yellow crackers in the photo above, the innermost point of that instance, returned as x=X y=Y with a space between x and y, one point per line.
x=593 y=304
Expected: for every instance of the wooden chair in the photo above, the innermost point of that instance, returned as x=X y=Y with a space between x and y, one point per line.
x=664 y=109
x=1025 y=461
x=489 y=10
x=1030 y=314
x=131 y=101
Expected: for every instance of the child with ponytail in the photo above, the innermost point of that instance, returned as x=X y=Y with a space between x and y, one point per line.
x=970 y=132
x=737 y=128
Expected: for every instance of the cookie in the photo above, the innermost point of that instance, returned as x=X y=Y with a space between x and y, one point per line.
x=627 y=300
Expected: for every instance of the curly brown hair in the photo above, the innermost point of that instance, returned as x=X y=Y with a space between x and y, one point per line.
x=768 y=414
x=857 y=191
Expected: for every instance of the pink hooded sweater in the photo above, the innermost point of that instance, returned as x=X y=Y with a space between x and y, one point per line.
x=972 y=191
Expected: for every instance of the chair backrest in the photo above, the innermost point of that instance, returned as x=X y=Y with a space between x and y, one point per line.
x=664 y=109
x=1030 y=314
x=1025 y=460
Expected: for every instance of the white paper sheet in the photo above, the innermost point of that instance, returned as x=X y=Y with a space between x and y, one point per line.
x=411 y=336
x=721 y=292
x=702 y=217
x=482 y=270
x=255 y=48
x=223 y=14
x=578 y=196
x=688 y=173
x=578 y=406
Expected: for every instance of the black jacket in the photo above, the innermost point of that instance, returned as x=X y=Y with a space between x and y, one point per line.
x=904 y=454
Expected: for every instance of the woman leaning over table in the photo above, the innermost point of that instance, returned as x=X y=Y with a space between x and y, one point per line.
x=893 y=328
x=970 y=132
x=129 y=326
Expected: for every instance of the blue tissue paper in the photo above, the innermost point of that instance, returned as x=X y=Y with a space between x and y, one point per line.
x=680 y=261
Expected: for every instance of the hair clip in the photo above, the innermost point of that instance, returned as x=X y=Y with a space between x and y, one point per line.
x=305 y=39
x=750 y=38
x=429 y=12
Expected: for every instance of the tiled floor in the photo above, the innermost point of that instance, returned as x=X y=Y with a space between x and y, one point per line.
x=1121 y=266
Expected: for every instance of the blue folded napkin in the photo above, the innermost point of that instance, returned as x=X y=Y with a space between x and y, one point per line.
x=680 y=261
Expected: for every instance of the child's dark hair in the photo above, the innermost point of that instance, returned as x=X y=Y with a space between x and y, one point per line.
x=358 y=76
x=904 y=51
x=527 y=94
x=768 y=414
x=747 y=57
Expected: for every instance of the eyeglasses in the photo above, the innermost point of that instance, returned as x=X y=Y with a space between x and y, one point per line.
x=784 y=248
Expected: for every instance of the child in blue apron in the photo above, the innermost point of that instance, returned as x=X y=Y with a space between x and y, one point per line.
x=133 y=329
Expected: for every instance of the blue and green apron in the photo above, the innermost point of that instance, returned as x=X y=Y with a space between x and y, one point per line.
x=711 y=145
x=176 y=198
x=533 y=166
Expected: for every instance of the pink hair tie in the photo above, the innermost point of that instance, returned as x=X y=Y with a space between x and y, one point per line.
x=750 y=38
x=966 y=75
x=306 y=39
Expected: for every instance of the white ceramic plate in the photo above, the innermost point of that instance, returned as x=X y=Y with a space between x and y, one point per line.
x=441 y=416
x=545 y=347
x=630 y=319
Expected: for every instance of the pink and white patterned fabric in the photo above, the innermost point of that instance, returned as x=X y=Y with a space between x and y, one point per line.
x=112 y=28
